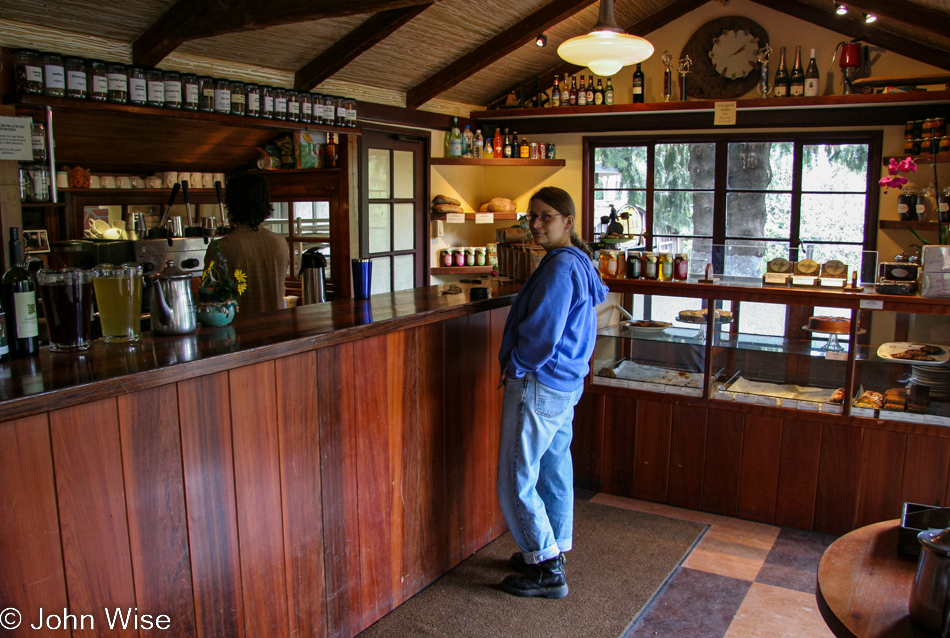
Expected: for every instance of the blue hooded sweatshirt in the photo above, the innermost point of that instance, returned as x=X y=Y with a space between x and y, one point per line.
x=552 y=323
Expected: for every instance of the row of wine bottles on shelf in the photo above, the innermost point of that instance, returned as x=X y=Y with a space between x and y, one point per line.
x=586 y=94
x=501 y=146
x=799 y=82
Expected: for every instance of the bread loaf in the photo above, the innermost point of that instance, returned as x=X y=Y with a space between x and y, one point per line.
x=443 y=199
x=501 y=205
x=483 y=208
x=447 y=208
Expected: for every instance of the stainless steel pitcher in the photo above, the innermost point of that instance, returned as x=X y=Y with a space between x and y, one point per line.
x=931 y=592
x=173 y=309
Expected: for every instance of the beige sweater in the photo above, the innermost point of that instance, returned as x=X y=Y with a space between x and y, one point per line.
x=264 y=256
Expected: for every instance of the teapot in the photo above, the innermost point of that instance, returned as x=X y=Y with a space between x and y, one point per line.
x=931 y=590
x=173 y=309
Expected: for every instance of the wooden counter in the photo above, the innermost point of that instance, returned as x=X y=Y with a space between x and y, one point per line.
x=297 y=474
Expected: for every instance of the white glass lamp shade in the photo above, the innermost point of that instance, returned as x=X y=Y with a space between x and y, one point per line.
x=605 y=52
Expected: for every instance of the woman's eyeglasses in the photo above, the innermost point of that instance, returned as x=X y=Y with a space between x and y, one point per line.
x=544 y=217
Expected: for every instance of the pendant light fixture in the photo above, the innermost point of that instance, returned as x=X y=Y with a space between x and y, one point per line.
x=606 y=49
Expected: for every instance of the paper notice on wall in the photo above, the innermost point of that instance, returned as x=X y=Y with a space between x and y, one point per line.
x=484 y=218
x=455 y=218
x=16 y=140
x=725 y=114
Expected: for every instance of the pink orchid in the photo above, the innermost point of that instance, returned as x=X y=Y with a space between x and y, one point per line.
x=896 y=181
x=894 y=167
x=907 y=165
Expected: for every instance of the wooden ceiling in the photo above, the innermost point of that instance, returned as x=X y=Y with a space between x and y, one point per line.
x=464 y=51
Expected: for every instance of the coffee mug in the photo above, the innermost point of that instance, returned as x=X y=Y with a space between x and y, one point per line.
x=154 y=182
x=171 y=178
x=218 y=177
x=123 y=182
x=62 y=179
x=107 y=181
x=99 y=226
x=195 y=180
x=113 y=233
x=207 y=180
x=138 y=182
x=94 y=181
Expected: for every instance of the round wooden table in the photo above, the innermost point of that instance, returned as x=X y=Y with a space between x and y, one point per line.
x=864 y=585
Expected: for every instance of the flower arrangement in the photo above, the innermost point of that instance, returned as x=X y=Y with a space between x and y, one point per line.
x=219 y=285
x=893 y=179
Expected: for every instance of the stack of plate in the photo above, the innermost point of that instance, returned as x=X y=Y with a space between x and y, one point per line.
x=938 y=379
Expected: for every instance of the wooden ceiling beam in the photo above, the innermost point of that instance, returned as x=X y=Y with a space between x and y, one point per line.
x=858 y=29
x=354 y=44
x=498 y=47
x=915 y=15
x=163 y=37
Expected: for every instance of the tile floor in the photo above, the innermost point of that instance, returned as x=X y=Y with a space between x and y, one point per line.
x=742 y=580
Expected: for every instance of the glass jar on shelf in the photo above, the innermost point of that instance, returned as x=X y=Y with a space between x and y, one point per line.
x=118 y=77
x=38 y=136
x=909 y=205
x=54 y=75
x=340 y=112
x=280 y=104
x=238 y=98
x=189 y=92
x=155 y=87
x=205 y=94
x=172 y=81
x=329 y=110
x=97 y=80
x=351 y=112
x=138 y=86
x=222 y=97
x=267 y=102
x=253 y=96
x=293 y=106
x=306 y=107
x=28 y=72
x=76 y=81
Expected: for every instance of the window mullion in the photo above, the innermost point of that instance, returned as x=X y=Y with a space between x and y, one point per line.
x=651 y=185
x=794 y=239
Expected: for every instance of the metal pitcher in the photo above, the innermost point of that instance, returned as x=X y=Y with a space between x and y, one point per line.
x=173 y=309
x=929 y=596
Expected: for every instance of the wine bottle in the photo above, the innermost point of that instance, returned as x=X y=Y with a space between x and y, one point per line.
x=582 y=93
x=4 y=345
x=556 y=92
x=609 y=93
x=19 y=303
x=572 y=100
x=781 y=83
x=812 y=77
x=590 y=91
x=638 y=85
x=797 y=80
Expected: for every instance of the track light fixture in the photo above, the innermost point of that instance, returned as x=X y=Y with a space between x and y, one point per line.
x=541 y=40
x=869 y=18
x=841 y=9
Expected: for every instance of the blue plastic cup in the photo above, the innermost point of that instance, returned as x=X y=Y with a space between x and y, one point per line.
x=362 y=278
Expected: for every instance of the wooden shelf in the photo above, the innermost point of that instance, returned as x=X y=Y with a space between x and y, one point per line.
x=461 y=270
x=463 y=161
x=896 y=224
x=471 y=216
x=924 y=158
x=43 y=204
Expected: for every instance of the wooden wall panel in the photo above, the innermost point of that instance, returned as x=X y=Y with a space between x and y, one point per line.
x=926 y=463
x=798 y=473
x=429 y=484
x=758 y=483
x=257 y=490
x=587 y=448
x=298 y=432
x=155 y=500
x=723 y=460
x=205 y=418
x=374 y=479
x=336 y=394
x=838 y=472
x=620 y=439
x=652 y=450
x=87 y=461
x=882 y=463
x=687 y=456
x=31 y=570
x=498 y=316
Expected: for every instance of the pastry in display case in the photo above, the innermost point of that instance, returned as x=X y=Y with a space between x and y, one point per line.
x=832 y=326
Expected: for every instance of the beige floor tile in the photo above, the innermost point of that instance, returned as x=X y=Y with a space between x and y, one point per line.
x=774 y=612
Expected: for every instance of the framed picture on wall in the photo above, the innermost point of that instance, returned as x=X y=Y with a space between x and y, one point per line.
x=36 y=241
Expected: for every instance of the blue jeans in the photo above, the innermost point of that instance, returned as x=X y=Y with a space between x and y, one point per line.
x=535 y=471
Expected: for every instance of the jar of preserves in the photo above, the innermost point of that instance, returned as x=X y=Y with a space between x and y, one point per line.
x=351 y=112
x=172 y=81
x=481 y=256
x=138 y=86
x=280 y=104
x=458 y=256
x=944 y=146
x=634 y=265
x=908 y=146
x=608 y=263
x=293 y=106
x=681 y=267
x=189 y=92
x=909 y=128
x=917 y=146
x=470 y=256
x=238 y=98
x=253 y=95
x=205 y=94
x=118 y=78
x=54 y=75
x=155 y=86
x=76 y=83
x=665 y=269
x=940 y=126
x=445 y=258
x=222 y=97
x=29 y=73
x=306 y=107
x=650 y=265
x=267 y=102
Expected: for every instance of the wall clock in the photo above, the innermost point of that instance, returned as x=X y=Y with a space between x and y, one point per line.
x=724 y=52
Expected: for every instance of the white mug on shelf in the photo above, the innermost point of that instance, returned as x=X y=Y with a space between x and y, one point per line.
x=171 y=178
x=218 y=177
x=138 y=182
x=154 y=181
x=95 y=182
x=123 y=181
x=195 y=180
x=207 y=180
x=62 y=179
x=107 y=181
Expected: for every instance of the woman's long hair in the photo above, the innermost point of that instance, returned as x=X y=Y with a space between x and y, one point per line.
x=562 y=202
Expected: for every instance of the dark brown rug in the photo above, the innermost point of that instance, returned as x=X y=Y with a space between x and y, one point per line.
x=621 y=558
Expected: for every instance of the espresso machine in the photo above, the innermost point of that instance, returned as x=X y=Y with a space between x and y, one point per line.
x=851 y=62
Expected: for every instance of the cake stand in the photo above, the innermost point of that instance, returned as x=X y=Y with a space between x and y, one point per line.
x=832 y=345
x=702 y=333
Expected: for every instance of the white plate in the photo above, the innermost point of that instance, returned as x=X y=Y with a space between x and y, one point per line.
x=887 y=350
x=645 y=330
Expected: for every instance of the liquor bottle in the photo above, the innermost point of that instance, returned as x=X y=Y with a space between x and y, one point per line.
x=797 y=79
x=509 y=151
x=455 y=139
x=330 y=156
x=524 y=150
x=19 y=303
x=556 y=92
x=582 y=93
x=468 y=141
x=638 y=85
x=572 y=100
x=599 y=93
x=609 y=92
x=812 y=77
x=590 y=90
x=478 y=145
x=4 y=345
x=497 y=143
x=781 y=83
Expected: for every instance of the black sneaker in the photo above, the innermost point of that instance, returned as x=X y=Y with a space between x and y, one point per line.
x=516 y=562
x=544 y=579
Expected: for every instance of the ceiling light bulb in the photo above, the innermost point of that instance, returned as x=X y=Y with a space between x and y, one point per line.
x=841 y=9
x=606 y=49
x=541 y=40
x=869 y=18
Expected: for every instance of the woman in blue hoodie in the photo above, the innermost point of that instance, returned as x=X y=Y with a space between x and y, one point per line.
x=545 y=353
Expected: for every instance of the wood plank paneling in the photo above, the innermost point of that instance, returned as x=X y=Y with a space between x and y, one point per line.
x=926 y=463
x=298 y=434
x=879 y=489
x=758 y=482
x=723 y=460
x=87 y=462
x=498 y=317
x=429 y=485
x=205 y=419
x=798 y=473
x=652 y=451
x=687 y=456
x=587 y=448
x=374 y=477
x=336 y=389
x=838 y=472
x=31 y=571
x=155 y=500
x=620 y=441
x=257 y=491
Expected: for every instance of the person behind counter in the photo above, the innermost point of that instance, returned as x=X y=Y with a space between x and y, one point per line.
x=259 y=252
x=548 y=341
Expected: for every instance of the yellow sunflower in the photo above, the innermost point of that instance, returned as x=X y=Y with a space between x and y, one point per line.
x=241 y=276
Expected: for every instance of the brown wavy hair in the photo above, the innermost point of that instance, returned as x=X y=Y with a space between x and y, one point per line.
x=561 y=201
x=247 y=197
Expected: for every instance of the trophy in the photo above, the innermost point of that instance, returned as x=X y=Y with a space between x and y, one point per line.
x=667 y=76
x=764 y=85
x=683 y=68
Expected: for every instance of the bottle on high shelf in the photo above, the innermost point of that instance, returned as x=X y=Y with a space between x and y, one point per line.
x=556 y=92
x=455 y=139
x=524 y=150
x=591 y=93
x=781 y=83
x=330 y=152
x=489 y=151
x=599 y=93
x=582 y=93
x=638 y=85
x=468 y=140
x=478 y=145
x=812 y=77
x=509 y=146
x=796 y=82
x=498 y=144
x=572 y=99
x=609 y=93
x=19 y=303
